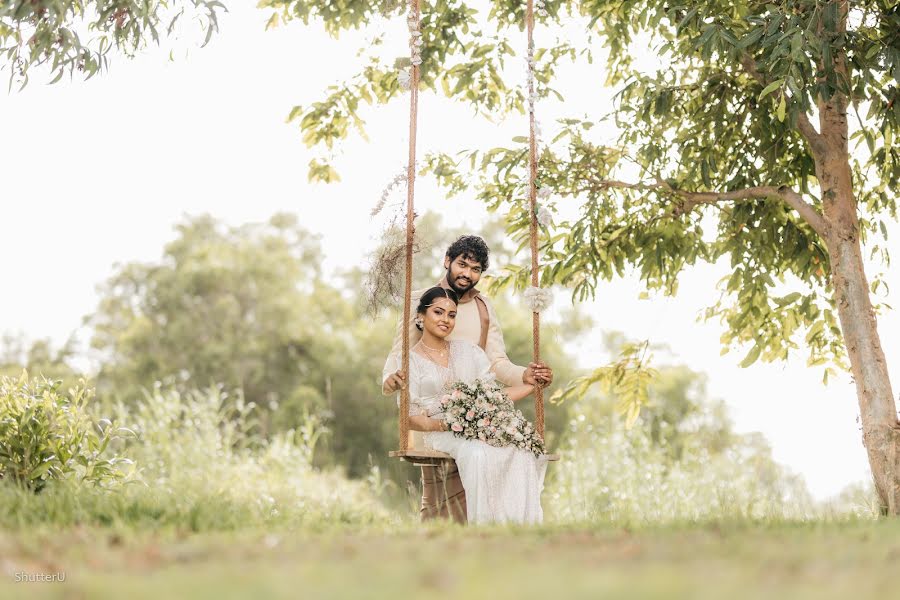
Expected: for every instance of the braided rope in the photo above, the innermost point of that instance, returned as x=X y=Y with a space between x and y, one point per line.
x=414 y=15
x=533 y=227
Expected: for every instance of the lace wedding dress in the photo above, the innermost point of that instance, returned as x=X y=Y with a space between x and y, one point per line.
x=503 y=485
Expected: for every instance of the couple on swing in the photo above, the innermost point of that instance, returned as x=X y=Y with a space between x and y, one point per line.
x=455 y=336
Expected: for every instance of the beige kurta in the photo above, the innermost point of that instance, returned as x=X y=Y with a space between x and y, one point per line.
x=468 y=328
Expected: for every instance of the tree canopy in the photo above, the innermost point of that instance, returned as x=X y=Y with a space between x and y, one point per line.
x=237 y=306
x=711 y=162
x=75 y=36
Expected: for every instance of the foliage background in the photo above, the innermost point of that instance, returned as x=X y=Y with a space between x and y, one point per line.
x=235 y=347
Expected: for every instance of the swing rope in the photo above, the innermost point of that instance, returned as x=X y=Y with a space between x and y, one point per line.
x=533 y=226
x=413 y=17
x=414 y=21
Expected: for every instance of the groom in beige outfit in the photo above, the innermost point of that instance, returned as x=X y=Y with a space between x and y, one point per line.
x=465 y=261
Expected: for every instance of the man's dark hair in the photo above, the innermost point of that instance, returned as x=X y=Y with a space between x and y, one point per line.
x=470 y=247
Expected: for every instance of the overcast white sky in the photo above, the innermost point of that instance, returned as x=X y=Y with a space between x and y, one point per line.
x=96 y=173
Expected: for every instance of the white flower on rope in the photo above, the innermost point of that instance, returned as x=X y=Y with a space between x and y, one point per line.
x=530 y=88
x=538 y=299
x=544 y=217
x=415 y=36
x=538 y=135
x=405 y=76
x=405 y=79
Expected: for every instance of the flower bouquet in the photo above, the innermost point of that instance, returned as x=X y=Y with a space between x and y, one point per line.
x=481 y=411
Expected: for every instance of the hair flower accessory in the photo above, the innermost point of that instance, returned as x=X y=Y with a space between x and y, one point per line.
x=538 y=299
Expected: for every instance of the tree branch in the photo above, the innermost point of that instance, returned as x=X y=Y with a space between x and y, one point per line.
x=807 y=129
x=691 y=200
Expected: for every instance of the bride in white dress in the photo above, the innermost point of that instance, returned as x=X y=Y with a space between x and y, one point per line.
x=503 y=485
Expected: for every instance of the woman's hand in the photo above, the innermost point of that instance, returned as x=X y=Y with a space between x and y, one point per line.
x=423 y=423
x=394 y=382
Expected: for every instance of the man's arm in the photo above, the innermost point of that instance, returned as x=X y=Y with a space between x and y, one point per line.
x=504 y=369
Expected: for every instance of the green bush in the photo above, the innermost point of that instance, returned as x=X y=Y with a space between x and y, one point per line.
x=47 y=434
x=202 y=464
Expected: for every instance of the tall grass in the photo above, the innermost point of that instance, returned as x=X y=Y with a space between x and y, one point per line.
x=609 y=473
x=201 y=465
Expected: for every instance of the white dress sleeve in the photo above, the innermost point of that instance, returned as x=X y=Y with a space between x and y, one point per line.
x=415 y=387
x=391 y=366
x=392 y=363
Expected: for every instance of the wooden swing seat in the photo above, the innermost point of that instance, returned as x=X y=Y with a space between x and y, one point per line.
x=423 y=457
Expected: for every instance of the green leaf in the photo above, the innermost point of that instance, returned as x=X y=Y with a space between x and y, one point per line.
x=708 y=32
x=751 y=357
x=687 y=18
x=771 y=88
x=751 y=38
x=782 y=106
x=40 y=470
x=789 y=299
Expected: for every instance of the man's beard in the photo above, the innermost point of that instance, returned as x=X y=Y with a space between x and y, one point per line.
x=452 y=282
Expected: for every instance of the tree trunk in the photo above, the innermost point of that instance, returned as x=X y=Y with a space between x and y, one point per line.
x=878 y=412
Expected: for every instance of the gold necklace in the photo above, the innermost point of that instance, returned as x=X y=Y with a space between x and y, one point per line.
x=441 y=353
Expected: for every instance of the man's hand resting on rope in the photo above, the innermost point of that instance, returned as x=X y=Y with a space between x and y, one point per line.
x=538 y=374
x=393 y=383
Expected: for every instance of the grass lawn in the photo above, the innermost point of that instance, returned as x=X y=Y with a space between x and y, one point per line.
x=820 y=560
